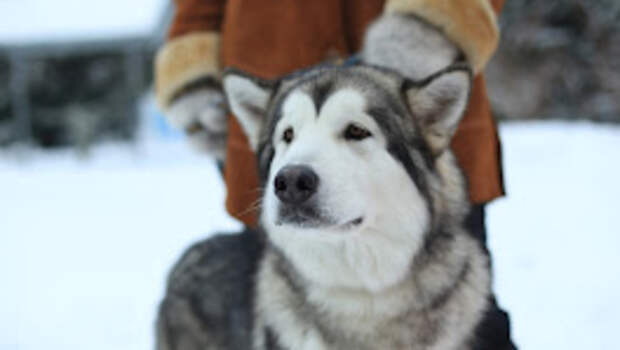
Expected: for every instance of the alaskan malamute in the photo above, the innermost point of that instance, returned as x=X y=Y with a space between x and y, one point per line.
x=362 y=242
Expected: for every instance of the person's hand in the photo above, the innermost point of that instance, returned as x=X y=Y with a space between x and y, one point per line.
x=409 y=46
x=202 y=114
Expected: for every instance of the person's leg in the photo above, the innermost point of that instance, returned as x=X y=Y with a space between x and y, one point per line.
x=220 y=166
x=476 y=223
x=493 y=333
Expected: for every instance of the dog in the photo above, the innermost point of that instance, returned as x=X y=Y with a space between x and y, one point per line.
x=362 y=242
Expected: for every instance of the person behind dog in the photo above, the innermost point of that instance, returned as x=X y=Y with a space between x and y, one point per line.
x=269 y=39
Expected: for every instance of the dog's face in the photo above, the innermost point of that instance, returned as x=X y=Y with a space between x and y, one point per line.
x=346 y=157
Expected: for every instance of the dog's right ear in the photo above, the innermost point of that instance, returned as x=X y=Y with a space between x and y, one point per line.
x=248 y=98
x=438 y=104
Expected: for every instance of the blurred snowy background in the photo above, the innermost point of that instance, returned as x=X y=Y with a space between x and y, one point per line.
x=98 y=196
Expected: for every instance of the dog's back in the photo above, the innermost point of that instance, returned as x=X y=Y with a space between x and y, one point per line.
x=208 y=298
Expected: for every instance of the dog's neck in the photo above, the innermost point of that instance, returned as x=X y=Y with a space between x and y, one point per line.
x=447 y=278
x=436 y=270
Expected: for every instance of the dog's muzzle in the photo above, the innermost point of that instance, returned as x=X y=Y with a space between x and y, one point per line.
x=296 y=186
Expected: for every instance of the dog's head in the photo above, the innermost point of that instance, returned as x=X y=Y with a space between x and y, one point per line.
x=354 y=164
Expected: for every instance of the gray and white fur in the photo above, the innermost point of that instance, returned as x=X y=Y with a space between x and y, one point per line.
x=408 y=45
x=362 y=242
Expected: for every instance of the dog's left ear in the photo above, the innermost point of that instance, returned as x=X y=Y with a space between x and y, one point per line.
x=248 y=98
x=438 y=103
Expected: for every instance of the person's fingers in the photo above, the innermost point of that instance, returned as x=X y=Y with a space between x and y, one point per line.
x=213 y=119
x=184 y=111
x=205 y=142
x=193 y=128
x=202 y=115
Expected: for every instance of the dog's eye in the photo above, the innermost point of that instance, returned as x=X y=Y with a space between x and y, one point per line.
x=288 y=135
x=354 y=132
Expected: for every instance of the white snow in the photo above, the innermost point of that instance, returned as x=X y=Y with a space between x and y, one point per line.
x=85 y=244
x=555 y=239
x=54 y=21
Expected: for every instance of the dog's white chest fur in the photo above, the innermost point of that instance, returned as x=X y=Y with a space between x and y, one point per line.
x=293 y=316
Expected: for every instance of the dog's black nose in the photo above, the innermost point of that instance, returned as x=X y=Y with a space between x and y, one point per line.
x=294 y=184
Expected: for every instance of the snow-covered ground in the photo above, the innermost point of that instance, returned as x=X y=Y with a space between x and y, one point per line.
x=556 y=238
x=85 y=244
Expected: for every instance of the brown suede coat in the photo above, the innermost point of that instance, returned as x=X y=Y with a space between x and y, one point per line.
x=272 y=38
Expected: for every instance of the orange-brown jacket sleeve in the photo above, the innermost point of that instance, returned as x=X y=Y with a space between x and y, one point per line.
x=191 y=52
x=471 y=24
